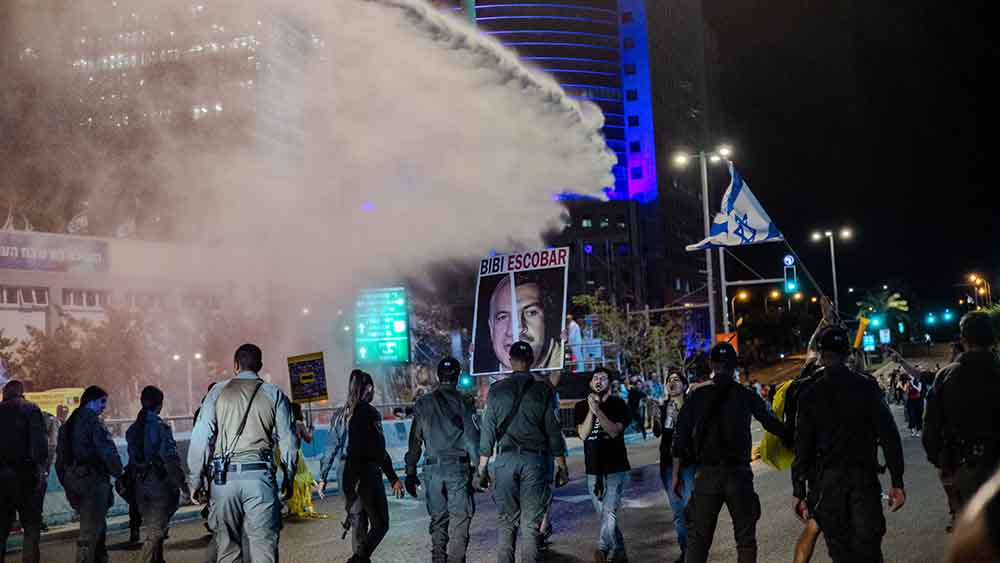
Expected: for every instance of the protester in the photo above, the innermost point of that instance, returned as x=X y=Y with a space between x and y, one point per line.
x=664 y=428
x=157 y=477
x=913 y=391
x=301 y=505
x=366 y=461
x=600 y=421
x=636 y=402
x=86 y=459
x=24 y=469
x=240 y=423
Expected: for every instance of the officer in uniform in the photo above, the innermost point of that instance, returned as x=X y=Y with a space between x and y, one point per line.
x=520 y=422
x=232 y=442
x=962 y=426
x=86 y=458
x=713 y=428
x=23 y=468
x=443 y=421
x=842 y=419
x=158 y=478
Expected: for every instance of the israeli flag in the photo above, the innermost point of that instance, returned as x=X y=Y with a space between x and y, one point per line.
x=742 y=219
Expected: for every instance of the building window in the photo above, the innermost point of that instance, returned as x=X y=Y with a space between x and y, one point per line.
x=587 y=222
x=35 y=296
x=627 y=17
x=628 y=43
x=8 y=296
x=635 y=146
x=605 y=222
x=629 y=69
x=621 y=222
x=631 y=95
x=633 y=121
x=636 y=173
x=677 y=284
x=86 y=299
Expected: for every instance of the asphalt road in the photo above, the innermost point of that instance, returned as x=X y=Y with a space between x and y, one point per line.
x=916 y=534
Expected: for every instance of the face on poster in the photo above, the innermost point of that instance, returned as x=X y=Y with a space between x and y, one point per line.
x=520 y=297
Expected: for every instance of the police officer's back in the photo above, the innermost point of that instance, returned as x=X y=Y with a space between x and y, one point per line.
x=23 y=468
x=962 y=426
x=520 y=422
x=444 y=422
x=714 y=428
x=232 y=441
x=842 y=419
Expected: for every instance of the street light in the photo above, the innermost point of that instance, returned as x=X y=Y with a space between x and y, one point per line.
x=190 y=385
x=845 y=234
x=681 y=160
x=775 y=295
x=742 y=296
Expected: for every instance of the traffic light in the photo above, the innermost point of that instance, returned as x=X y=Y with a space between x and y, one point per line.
x=931 y=319
x=948 y=316
x=791 y=279
x=465 y=381
x=877 y=321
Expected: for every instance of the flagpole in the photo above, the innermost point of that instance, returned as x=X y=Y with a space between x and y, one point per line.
x=805 y=270
x=724 y=296
x=703 y=162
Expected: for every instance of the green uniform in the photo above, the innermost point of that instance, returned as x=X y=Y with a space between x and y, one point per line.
x=158 y=480
x=23 y=461
x=247 y=506
x=526 y=438
x=443 y=421
x=86 y=459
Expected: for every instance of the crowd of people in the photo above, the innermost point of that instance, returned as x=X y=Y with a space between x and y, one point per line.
x=245 y=462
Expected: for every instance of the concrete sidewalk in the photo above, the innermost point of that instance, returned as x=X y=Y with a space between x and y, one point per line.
x=574 y=446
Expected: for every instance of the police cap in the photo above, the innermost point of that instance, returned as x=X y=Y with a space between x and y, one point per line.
x=448 y=370
x=522 y=351
x=723 y=352
x=834 y=339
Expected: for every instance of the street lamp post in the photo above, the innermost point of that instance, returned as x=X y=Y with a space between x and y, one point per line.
x=190 y=383
x=742 y=296
x=775 y=294
x=845 y=234
x=682 y=159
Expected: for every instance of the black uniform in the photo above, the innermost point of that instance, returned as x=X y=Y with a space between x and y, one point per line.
x=23 y=461
x=842 y=419
x=714 y=424
x=443 y=421
x=533 y=436
x=962 y=427
x=364 y=491
x=810 y=374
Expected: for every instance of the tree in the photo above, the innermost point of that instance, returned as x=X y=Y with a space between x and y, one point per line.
x=645 y=342
x=8 y=358
x=891 y=304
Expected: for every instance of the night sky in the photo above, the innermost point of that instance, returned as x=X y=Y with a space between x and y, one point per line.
x=873 y=114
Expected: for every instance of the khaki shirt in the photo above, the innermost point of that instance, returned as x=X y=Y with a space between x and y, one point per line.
x=269 y=423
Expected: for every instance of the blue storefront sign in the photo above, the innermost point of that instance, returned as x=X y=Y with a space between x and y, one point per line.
x=52 y=253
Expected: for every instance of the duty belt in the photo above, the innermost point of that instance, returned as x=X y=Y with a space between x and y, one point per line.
x=241 y=467
x=446 y=459
x=521 y=450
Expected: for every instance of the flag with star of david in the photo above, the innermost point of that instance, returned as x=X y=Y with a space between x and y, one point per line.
x=741 y=221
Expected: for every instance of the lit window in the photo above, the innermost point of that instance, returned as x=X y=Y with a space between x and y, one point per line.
x=605 y=222
x=620 y=220
x=587 y=223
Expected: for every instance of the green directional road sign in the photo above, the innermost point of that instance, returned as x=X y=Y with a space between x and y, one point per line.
x=382 y=327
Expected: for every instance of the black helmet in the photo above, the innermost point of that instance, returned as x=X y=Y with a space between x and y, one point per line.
x=522 y=351
x=723 y=352
x=834 y=339
x=448 y=370
x=977 y=329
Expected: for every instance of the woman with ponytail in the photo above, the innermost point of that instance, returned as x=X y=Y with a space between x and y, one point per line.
x=86 y=459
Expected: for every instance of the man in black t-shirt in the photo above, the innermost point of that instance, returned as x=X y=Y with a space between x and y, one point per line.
x=636 y=399
x=601 y=420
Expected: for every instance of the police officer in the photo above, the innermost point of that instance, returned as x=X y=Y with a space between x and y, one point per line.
x=841 y=420
x=366 y=461
x=86 y=458
x=233 y=441
x=158 y=479
x=443 y=421
x=713 y=428
x=23 y=468
x=520 y=422
x=962 y=426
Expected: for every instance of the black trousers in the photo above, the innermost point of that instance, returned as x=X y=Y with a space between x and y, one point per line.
x=367 y=507
x=20 y=496
x=847 y=506
x=448 y=492
x=714 y=487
